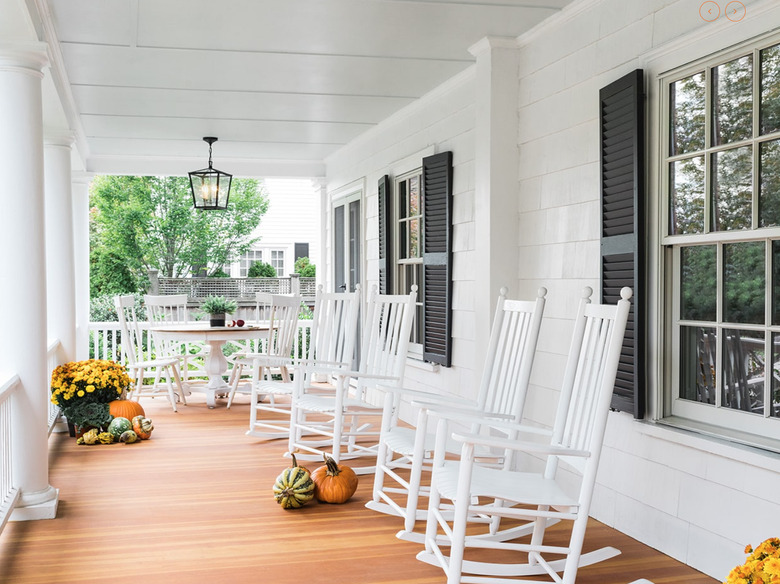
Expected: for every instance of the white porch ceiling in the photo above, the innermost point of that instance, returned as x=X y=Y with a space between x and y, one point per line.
x=281 y=83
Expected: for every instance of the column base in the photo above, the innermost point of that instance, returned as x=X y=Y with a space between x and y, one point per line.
x=43 y=510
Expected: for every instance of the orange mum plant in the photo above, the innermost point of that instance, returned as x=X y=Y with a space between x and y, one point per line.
x=761 y=567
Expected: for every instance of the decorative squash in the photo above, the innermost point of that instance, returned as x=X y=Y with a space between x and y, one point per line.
x=128 y=437
x=294 y=487
x=125 y=408
x=335 y=484
x=106 y=438
x=90 y=437
x=119 y=425
x=142 y=427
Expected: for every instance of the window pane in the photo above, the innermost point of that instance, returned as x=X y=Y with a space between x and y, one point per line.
x=733 y=100
x=402 y=200
x=743 y=370
x=697 y=364
x=403 y=240
x=699 y=283
x=687 y=114
x=414 y=195
x=414 y=238
x=769 y=183
x=732 y=189
x=744 y=282
x=687 y=191
x=774 y=408
x=770 y=90
x=776 y=282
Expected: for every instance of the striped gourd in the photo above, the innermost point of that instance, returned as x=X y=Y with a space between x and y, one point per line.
x=294 y=487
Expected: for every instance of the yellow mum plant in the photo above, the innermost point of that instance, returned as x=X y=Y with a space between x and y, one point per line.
x=761 y=567
x=83 y=389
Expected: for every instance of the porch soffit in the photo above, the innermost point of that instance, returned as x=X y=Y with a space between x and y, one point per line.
x=282 y=84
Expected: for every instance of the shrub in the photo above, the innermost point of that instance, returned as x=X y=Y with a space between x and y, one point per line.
x=261 y=270
x=305 y=268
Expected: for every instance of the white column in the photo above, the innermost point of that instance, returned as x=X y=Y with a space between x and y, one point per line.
x=80 y=191
x=324 y=261
x=60 y=265
x=496 y=204
x=23 y=277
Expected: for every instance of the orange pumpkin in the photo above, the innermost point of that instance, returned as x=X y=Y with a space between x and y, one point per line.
x=125 y=408
x=335 y=484
x=142 y=427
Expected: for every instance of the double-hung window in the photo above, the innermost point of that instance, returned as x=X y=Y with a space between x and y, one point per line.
x=249 y=258
x=277 y=261
x=408 y=237
x=721 y=176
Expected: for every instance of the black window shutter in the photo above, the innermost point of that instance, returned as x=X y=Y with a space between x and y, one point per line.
x=623 y=226
x=437 y=258
x=301 y=250
x=385 y=233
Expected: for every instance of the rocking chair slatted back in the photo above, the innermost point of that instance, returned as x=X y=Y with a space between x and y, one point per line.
x=335 y=323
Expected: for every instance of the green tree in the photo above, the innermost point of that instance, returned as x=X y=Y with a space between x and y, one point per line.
x=261 y=270
x=305 y=268
x=143 y=222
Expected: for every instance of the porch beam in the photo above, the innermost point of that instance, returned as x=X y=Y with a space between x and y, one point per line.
x=23 y=336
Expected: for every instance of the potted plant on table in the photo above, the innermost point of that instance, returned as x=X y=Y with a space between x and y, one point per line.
x=216 y=307
x=84 y=389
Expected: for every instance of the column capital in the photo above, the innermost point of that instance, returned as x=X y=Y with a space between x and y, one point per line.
x=81 y=177
x=489 y=43
x=64 y=138
x=29 y=56
x=319 y=182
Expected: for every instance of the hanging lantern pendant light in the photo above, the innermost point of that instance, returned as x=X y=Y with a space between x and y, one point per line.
x=210 y=187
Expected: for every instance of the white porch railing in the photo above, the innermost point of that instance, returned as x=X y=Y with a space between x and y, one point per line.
x=105 y=340
x=53 y=360
x=9 y=492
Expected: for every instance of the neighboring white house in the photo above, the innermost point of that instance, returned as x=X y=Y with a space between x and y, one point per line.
x=290 y=228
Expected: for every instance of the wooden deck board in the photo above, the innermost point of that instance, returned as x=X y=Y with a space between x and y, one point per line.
x=194 y=505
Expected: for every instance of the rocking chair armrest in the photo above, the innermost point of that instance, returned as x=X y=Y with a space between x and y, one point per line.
x=450 y=410
x=270 y=360
x=492 y=419
x=336 y=372
x=320 y=366
x=428 y=397
x=521 y=446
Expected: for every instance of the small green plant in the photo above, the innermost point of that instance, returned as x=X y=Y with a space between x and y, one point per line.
x=261 y=270
x=218 y=305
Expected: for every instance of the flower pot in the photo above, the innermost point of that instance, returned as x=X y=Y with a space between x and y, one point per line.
x=217 y=319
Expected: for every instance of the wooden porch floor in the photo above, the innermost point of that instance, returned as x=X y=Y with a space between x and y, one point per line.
x=193 y=505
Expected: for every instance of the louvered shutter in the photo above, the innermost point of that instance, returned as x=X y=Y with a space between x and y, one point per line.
x=622 y=226
x=385 y=232
x=437 y=258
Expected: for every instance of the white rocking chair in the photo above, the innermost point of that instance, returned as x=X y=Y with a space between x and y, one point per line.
x=577 y=439
x=282 y=330
x=344 y=422
x=501 y=395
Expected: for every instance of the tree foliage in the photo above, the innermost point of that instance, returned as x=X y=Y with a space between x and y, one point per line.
x=143 y=222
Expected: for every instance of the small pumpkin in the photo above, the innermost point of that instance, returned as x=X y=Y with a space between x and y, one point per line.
x=125 y=408
x=294 y=487
x=142 y=427
x=119 y=425
x=335 y=484
x=106 y=438
x=128 y=437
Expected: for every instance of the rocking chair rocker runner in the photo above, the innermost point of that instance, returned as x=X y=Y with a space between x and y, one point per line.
x=577 y=438
x=501 y=395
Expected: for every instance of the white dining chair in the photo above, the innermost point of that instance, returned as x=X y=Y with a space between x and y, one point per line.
x=138 y=364
x=171 y=309
x=561 y=490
